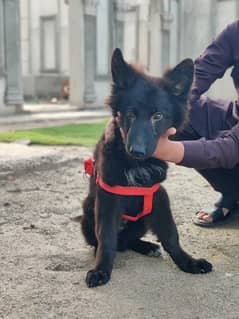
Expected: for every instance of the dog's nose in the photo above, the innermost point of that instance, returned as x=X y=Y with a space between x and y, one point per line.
x=137 y=151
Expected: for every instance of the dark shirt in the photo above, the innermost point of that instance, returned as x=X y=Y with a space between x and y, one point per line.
x=222 y=151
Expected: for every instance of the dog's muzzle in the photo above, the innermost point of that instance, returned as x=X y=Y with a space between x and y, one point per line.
x=137 y=151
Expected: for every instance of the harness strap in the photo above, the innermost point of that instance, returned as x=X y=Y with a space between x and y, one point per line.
x=89 y=166
x=146 y=192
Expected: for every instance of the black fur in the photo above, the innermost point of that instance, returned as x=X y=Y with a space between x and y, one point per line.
x=146 y=108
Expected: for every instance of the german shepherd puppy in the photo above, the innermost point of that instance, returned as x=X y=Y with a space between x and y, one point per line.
x=145 y=108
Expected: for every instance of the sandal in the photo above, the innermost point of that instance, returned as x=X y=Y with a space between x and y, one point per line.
x=219 y=217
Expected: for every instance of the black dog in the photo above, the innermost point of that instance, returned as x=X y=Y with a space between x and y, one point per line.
x=145 y=107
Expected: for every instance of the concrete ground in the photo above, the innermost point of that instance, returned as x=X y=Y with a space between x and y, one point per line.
x=44 y=259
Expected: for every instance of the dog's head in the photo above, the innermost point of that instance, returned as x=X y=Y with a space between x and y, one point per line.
x=148 y=106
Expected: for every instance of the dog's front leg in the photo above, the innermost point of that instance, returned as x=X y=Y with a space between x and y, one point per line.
x=107 y=219
x=167 y=233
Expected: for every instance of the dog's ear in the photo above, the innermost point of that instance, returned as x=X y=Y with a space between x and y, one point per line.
x=123 y=74
x=180 y=78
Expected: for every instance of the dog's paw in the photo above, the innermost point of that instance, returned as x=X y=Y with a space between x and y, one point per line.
x=155 y=252
x=96 y=278
x=199 y=266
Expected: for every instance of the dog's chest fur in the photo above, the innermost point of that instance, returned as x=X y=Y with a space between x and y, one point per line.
x=116 y=167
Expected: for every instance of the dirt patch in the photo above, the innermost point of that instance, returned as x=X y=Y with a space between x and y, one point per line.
x=44 y=259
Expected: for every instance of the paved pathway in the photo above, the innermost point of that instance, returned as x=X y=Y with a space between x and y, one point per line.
x=50 y=115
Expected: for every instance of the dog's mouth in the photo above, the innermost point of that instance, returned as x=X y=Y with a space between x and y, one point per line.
x=137 y=155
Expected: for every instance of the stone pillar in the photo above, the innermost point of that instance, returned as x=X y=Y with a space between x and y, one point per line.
x=166 y=20
x=174 y=34
x=143 y=34
x=195 y=23
x=2 y=69
x=14 y=90
x=118 y=34
x=103 y=43
x=237 y=8
x=76 y=52
x=155 y=38
x=90 y=50
x=126 y=28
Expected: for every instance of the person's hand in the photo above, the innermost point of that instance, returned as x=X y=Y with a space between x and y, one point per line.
x=164 y=144
x=171 y=131
x=168 y=150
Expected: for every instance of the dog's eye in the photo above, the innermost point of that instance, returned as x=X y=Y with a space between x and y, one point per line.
x=157 y=116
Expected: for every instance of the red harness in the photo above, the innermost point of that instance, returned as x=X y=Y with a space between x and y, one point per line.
x=146 y=192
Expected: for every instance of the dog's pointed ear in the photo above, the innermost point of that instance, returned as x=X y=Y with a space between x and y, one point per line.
x=123 y=74
x=180 y=78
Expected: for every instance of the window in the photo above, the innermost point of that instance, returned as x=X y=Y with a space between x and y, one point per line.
x=49 y=44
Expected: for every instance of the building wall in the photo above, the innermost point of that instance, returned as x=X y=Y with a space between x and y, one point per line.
x=44 y=41
x=226 y=11
x=200 y=22
x=187 y=29
x=154 y=33
x=2 y=64
x=11 y=94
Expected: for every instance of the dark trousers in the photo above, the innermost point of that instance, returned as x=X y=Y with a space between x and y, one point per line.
x=209 y=118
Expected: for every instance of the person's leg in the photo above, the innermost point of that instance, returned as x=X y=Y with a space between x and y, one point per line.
x=224 y=181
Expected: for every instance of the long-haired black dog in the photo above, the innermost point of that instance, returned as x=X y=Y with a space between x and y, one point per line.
x=145 y=108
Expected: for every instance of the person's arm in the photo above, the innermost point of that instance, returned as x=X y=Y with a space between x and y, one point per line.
x=215 y=60
x=202 y=153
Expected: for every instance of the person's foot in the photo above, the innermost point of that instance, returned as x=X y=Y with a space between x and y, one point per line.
x=226 y=209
